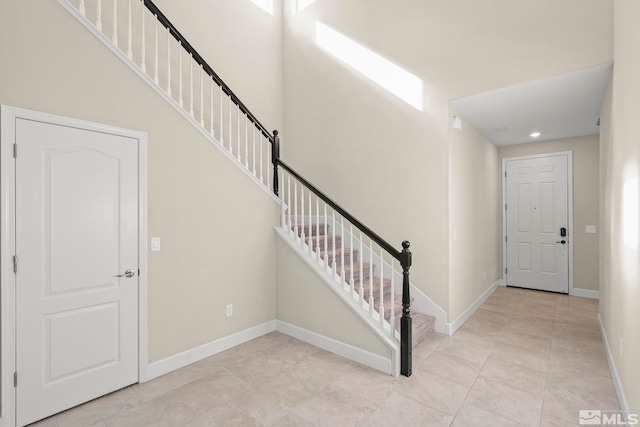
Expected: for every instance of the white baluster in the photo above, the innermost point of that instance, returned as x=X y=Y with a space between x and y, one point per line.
x=318 y=227
x=333 y=244
x=81 y=7
x=309 y=237
x=288 y=195
x=295 y=208
x=230 y=128
x=143 y=38
x=246 y=142
x=326 y=253
x=261 y=161
x=168 y=62
x=221 y=119
x=381 y=289
x=238 y=133
x=155 y=75
x=371 y=309
x=254 y=150
x=392 y=319
x=201 y=96
x=351 y=281
x=302 y=233
x=130 y=41
x=268 y=167
x=283 y=222
x=342 y=272
x=361 y=271
x=180 y=80
x=211 y=107
x=114 y=36
x=191 y=85
x=99 y=16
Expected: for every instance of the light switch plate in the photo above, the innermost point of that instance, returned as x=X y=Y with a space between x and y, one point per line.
x=155 y=244
x=591 y=229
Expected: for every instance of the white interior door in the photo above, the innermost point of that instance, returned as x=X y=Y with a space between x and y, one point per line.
x=76 y=230
x=536 y=214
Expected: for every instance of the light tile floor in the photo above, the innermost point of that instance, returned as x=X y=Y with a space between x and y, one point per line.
x=524 y=358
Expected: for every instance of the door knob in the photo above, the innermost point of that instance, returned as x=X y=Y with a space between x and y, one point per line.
x=128 y=274
x=562 y=241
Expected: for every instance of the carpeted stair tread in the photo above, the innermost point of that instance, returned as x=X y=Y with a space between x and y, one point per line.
x=356 y=272
x=321 y=237
x=310 y=229
x=337 y=255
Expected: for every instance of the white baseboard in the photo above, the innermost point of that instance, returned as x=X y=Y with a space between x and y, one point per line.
x=347 y=351
x=585 y=293
x=455 y=325
x=185 y=358
x=622 y=398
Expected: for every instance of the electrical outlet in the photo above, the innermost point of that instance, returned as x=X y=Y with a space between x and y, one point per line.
x=229 y=310
x=620 y=347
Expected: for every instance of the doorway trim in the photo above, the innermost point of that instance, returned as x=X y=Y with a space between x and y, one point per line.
x=8 y=116
x=569 y=155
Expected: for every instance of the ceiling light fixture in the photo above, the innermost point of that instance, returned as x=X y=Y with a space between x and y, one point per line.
x=535 y=134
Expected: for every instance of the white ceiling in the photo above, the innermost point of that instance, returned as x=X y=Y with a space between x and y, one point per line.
x=562 y=106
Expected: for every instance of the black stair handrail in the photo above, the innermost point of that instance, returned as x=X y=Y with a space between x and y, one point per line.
x=196 y=56
x=346 y=215
x=404 y=256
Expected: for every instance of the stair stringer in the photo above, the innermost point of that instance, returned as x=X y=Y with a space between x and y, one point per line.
x=172 y=102
x=353 y=304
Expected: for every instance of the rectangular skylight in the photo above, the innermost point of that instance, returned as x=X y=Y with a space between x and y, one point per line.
x=393 y=78
x=266 y=5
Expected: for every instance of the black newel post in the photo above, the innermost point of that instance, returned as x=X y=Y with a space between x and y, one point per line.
x=405 y=321
x=275 y=156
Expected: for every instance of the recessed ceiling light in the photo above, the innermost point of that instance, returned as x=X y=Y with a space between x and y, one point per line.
x=535 y=134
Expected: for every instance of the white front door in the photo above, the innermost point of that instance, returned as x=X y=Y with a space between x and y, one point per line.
x=536 y=217
x=76 y=231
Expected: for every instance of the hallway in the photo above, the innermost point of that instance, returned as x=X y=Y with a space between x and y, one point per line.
x=524 y=358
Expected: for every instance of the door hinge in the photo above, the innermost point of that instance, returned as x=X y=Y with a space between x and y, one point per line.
x=15 y=151
x=15 y=379
x=505 y=206
x=505 y=174
x=506 y=270
x=505 y=238
x=15 y=263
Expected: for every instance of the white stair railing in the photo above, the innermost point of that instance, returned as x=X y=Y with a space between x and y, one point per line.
x=129 y=28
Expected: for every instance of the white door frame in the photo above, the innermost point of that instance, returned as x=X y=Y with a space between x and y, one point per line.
x=569 y=155
x=8 y=116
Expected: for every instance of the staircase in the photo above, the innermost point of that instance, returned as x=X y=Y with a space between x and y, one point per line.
x=346 y=259
x=361 y=267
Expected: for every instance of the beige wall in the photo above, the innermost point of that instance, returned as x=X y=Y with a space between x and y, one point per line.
x=387 y=162
x=620 y=167
x=304 y=300
x=242 y=43
x=475 y=227
x=585 y=200
x=216 y=225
